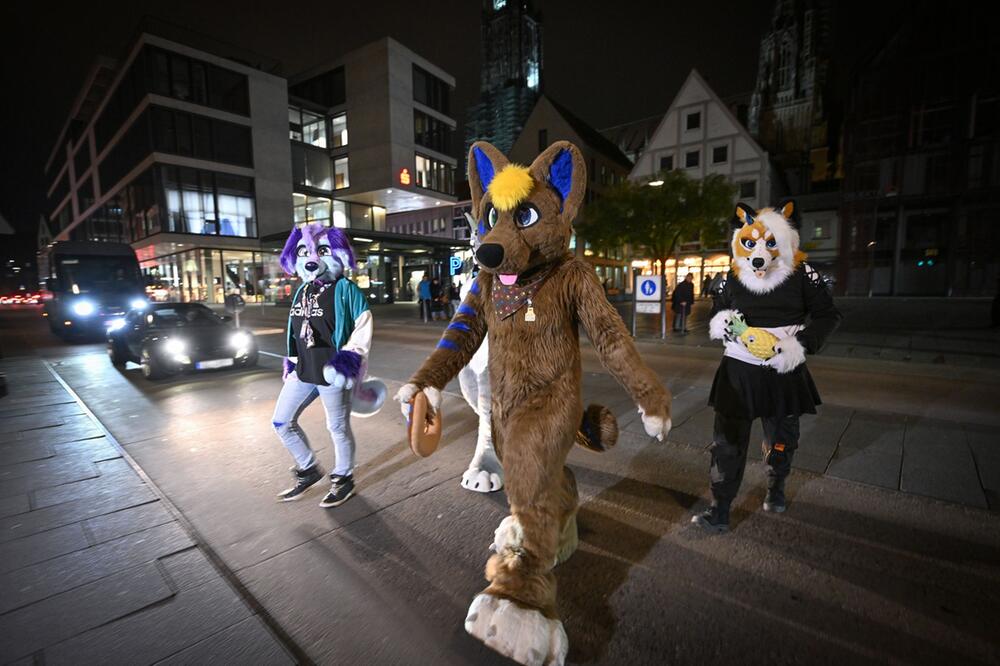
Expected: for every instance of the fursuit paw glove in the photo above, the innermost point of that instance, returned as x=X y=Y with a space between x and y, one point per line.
x=788 y=355
x=719 y=326
x=406 y=394
x=343 y=370
x=288 y=367
x=655 y=426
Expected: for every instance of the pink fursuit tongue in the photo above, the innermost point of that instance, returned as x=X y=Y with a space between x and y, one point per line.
x=508 y=279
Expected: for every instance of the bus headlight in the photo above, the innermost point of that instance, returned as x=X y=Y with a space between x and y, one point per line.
x=83 y=308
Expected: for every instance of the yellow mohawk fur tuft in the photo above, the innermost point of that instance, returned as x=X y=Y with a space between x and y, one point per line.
x=510 y=186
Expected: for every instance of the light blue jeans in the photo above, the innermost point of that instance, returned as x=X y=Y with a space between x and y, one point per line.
x=295 y=396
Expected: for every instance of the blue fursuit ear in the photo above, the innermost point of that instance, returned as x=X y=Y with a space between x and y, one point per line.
x=561 y=174
x=484 y=168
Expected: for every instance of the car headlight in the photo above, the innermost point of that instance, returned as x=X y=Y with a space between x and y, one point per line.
x=115 y=324
x=138 y=304
x=174 y=346
x=83 y=308
x=240 y=340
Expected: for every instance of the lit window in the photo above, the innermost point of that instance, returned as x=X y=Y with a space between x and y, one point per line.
x=339 y=130
x=341 y=177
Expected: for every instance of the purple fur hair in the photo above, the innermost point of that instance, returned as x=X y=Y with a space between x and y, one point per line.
x=311 y=232
x=347 y=363
x=287 y=367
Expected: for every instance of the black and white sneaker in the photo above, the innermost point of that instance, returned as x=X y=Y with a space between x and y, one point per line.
x=304 y=480
x=340 y=491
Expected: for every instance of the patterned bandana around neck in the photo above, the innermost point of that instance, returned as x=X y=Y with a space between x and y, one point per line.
x=508 y=300
x=310 y=302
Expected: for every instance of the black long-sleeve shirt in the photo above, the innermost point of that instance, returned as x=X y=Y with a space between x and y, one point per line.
x=803 y=299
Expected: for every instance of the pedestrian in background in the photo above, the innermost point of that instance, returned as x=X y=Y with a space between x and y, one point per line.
x=437 y=305
x=424 y=293
x=706 y=285
x=681 y=301
x=453 y=298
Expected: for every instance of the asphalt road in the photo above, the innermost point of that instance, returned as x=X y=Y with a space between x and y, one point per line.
x=852 y=573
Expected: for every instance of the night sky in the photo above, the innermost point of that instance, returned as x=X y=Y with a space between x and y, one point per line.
x=609 y=62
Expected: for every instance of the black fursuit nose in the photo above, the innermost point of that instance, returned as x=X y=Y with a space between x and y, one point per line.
x=490 y=255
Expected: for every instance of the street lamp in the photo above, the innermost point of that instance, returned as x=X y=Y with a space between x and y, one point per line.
x=655 y=183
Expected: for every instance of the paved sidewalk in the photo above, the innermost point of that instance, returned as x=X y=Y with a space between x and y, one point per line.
x=94 y=566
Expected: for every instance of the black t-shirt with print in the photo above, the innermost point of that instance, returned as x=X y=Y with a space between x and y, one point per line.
x=319 y=301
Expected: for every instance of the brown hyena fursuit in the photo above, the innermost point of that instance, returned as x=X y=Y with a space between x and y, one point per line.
x=532 y=295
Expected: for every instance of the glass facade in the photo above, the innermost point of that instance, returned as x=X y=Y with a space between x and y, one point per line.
x=431 y=132
x=207 y=202
x=208 y=275
x=434 y=175
x=431 y=91
x=162 y=72
x=310 y=209
x=327 y=89
x=307 y=127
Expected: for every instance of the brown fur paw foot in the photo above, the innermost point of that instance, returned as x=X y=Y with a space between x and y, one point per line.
x=522 y=634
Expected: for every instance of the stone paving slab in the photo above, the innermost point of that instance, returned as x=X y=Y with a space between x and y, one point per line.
x=246 y=642
x=38 y=581
x=13 y=505
x=113 y=477
x=22 y=524
x=93 y=567
x=127 y=521
x=938 y=462
x=62 y=616
x=42 y=546
x=187 y=618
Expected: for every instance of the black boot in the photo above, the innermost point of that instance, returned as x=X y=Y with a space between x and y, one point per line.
x=779 y=465
x=775 y=500
x=304 y=480
x=714 y=519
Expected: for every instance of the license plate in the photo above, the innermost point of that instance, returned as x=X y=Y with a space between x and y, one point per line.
x=211 y=365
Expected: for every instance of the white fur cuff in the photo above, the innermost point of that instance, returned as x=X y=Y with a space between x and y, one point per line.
x=790 y=355
x=406 y=393
x=717 y=328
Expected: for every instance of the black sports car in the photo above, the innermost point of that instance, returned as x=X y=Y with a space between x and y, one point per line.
x=168 y=338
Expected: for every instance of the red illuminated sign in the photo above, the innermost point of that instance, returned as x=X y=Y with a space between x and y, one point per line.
x=404 y=176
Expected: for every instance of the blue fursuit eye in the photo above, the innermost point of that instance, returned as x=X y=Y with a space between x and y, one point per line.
x=525 y=215
x=749 y=243
x=771 y=243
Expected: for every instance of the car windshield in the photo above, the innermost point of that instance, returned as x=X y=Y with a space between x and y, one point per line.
x=182 y=316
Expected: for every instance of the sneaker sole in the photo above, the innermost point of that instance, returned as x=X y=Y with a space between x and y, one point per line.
x=709 y=527
x=300 y=495
x=330 y=505
x=774 y=508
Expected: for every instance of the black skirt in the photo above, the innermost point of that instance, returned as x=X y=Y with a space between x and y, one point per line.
x=744 y=390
